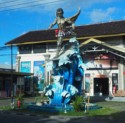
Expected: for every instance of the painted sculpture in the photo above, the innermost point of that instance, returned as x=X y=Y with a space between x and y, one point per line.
x=67 y=67
x=65 y=26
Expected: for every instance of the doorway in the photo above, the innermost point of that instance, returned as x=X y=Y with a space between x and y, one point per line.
x=101 y=85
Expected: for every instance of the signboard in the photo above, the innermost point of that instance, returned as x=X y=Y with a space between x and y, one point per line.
x=87 y=82
x=114 y=78
x=25 y=67
x=39 y=73
x=101 y=62
x=115 y=81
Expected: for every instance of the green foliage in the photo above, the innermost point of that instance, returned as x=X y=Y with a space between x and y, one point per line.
x=38 y=99
x=5 y=108
x=97 y=112
x=78 y=103
x=20 y=98
x=101 y=111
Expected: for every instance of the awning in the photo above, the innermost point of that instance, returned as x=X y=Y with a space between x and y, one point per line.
x=3 y=72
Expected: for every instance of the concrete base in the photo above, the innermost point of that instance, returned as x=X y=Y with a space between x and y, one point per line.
x=49 y=108
x=116 y=99
x=107 y=98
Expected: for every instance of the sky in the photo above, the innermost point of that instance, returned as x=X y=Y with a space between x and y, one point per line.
x=21 y=16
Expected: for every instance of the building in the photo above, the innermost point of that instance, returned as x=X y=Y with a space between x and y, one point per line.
x=12 y=82
x=102 y=48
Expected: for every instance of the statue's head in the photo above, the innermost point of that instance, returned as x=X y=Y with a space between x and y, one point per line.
x=59 y=12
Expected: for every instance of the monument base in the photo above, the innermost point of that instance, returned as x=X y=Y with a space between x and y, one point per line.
x=47 y=108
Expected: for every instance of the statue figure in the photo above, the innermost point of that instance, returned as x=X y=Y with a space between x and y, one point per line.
x=65 y=26
x=67 y=68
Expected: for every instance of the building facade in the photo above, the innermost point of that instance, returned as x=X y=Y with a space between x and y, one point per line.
x=12 y=83
x=102 y=48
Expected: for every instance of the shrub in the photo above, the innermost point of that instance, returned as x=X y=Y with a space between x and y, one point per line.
x=38 y=99
x=78 y=103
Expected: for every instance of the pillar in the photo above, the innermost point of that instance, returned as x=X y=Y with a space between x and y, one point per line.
x=18 y=63
x=121 y=78
x=47 y=80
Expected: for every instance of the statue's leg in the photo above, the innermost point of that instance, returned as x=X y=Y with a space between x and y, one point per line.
x=59 y=44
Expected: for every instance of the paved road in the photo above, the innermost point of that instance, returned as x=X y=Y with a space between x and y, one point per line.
x=6 y=117
x=119 y=117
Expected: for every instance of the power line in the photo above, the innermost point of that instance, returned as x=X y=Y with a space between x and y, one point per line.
x=19 y=4
x=27 y=5
x=12 y=1
x=8 y=55
x=6 y=47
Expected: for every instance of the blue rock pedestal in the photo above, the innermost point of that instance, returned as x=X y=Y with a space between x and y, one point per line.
x=47 y=108
x=67 y=70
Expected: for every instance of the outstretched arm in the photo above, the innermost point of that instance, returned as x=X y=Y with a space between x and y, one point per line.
x=54 y=23
x=72 y=19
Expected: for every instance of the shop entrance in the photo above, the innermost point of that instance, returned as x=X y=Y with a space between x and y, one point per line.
x=101 y=86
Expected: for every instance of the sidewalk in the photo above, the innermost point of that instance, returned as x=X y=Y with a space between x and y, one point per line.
x=107 y=98
x=7 y=101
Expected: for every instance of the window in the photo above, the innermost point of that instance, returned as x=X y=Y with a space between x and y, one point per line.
x=52 y=47
x=25 y=49
x=39 y=48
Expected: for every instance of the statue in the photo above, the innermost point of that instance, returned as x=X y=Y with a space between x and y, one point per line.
x=67 y=67
x=65 y=26
x=67 y=71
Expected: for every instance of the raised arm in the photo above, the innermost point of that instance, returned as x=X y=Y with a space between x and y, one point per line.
x=53 y=24
x=71 y=20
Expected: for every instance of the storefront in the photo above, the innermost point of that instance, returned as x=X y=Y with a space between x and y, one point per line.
x=102 y=68
x=11 y=81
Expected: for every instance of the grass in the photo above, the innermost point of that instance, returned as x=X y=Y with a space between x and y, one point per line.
x=102 y=111
x=5 y=108
x=96 y=112
x=109 y=108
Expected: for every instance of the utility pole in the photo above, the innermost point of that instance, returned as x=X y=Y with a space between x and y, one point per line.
x=12 y=88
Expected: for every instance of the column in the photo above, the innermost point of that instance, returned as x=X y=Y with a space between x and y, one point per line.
x=46 y=56
x=120 y=78
x=18 y=63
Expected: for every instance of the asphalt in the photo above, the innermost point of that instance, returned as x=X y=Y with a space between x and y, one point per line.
x=118 y=117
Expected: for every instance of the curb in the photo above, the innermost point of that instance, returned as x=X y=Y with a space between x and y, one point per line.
x=18 y=113
x=59 y=118
x=65 y=118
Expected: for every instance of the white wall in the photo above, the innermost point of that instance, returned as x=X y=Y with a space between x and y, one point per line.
x=34 y=57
